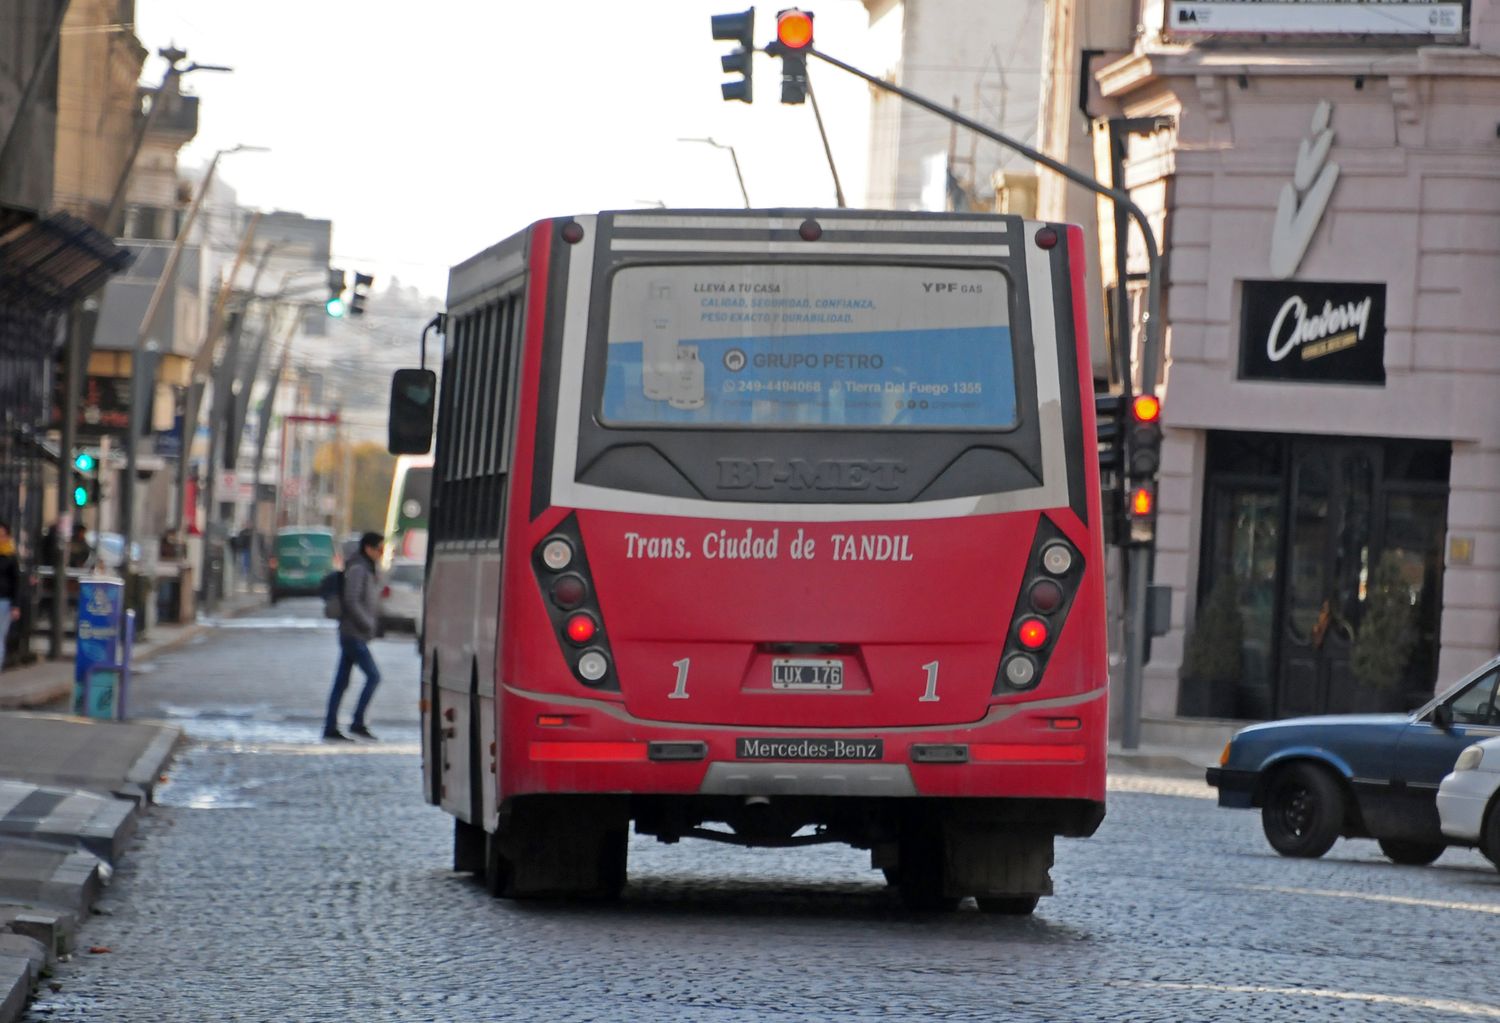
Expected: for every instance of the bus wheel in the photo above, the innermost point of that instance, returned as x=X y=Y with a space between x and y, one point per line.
x=498 y=875
x=1008 y=905
x=564 y=848
x=921 y=876
x=469 y=847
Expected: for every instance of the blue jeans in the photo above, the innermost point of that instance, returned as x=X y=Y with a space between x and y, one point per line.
x=352 y=651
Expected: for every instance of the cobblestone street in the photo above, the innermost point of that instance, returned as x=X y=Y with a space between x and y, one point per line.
x=281 y=878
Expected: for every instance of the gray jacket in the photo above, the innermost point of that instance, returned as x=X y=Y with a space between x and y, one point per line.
x=360 y=599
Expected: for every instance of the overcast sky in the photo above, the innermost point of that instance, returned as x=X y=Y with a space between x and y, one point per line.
x=429 y=131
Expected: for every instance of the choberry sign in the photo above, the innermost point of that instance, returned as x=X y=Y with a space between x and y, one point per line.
x=1308 y=330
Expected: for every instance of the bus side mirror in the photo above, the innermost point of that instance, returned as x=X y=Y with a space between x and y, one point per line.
x=413 y=397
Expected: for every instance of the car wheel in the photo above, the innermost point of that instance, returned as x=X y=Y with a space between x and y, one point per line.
x=1409 y=853
x=1303 y=812
x=1489 y=838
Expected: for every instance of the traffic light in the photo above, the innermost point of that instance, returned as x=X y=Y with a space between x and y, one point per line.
x=739 y=28
x=1109 y=423
x=794 y=36
x=86 y=488
x=336 y=286
x=1143 y=446
x=359 y=293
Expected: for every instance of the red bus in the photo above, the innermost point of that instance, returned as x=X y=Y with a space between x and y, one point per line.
x=768 y=528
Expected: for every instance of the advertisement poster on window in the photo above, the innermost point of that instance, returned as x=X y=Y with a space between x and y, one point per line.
x=775 y=345
x=1414 y=20
x=1329 y=332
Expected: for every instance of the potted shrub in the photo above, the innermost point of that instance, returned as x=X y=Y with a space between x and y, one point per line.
x=1386 y=636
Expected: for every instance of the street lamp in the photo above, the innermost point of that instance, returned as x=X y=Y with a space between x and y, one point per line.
x=733 y=156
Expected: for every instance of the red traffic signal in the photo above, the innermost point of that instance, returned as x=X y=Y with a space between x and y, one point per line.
x=1146 y=408
x=794 y=29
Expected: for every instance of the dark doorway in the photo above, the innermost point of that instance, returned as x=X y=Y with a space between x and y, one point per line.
x=1310 y=534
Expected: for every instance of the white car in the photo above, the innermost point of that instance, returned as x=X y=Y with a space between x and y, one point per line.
x=1469 y=799
x=401 y=595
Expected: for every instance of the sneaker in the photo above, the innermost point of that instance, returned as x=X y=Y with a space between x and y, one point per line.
x=363 y=733
x=336 y=736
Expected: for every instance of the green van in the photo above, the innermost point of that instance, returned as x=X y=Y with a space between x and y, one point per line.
x=302 y=557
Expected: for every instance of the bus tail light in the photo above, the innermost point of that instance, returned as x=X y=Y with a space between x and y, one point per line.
x=572 y=603
x=1054 y=572
x=581 y=627
x=1032 y=633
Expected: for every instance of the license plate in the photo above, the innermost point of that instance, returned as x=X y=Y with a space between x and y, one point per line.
x=807 y=673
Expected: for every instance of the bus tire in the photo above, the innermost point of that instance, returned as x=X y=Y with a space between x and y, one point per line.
x=560 y=848
x=921 y=875
x=1008 y=905
x=470 y=847
x=498 y=875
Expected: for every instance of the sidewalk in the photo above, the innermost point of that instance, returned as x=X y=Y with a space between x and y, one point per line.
x=50 y=682
x=71 y=790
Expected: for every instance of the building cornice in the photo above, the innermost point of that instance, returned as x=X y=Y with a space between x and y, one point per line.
x=1147 y=66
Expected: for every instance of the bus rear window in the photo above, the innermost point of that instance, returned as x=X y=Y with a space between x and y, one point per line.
x=790 y=345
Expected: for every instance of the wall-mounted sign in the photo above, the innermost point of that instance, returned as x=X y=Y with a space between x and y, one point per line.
x=1417 y=20
x=1311 y=330
x=1299 y=209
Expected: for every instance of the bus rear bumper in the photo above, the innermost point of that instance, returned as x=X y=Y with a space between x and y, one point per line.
x=560 y=747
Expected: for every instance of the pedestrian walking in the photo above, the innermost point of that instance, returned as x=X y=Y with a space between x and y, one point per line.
x=243 y=542
x=10 y=587
x=358 y=595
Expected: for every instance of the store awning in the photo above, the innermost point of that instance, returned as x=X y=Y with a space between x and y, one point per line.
x=49 y=262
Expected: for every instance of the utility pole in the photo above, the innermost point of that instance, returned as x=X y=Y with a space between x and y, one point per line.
x=202 y=361
x=163 y=284
x=1138 y=555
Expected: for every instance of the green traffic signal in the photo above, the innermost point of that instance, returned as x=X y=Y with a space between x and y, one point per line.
x=81 y=496
x=335 y=307
x=84 y=462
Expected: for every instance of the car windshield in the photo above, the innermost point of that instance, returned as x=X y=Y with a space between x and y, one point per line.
x=310 y=543
x=1476 y=705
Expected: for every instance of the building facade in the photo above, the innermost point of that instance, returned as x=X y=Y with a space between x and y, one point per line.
x=983 y=59
x=1328 y=202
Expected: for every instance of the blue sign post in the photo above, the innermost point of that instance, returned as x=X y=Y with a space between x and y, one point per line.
x=96 y=666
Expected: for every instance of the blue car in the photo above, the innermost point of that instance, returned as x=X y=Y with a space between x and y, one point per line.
x=1316 y=779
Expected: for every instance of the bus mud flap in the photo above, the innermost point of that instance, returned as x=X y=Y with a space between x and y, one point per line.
x=984 y=860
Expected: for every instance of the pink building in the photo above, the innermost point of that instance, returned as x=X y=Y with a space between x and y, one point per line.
x=1326 y=187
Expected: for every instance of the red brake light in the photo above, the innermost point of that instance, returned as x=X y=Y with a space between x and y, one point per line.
x=581 y=628
x=1146 y=408
x=1033 y=634
x=794 y=29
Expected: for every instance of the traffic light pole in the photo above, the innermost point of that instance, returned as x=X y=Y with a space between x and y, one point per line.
x=1138 y=557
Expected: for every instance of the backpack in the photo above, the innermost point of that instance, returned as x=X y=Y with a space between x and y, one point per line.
x=331 y=589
